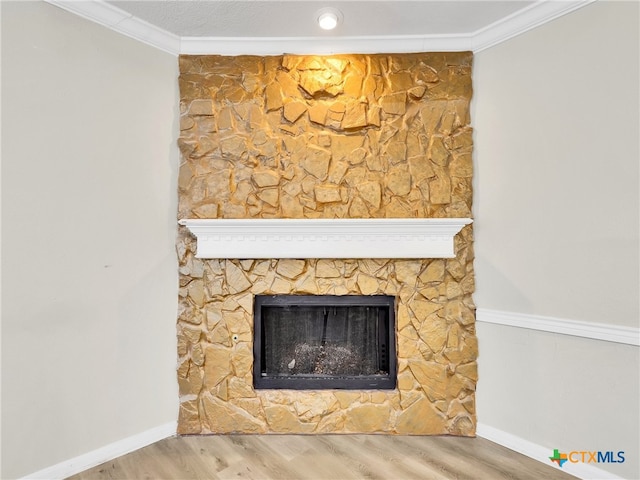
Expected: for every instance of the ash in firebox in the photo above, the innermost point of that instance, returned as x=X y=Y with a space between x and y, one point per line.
x=324 y=360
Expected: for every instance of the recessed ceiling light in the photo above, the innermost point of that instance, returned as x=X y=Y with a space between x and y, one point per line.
x=328 y=18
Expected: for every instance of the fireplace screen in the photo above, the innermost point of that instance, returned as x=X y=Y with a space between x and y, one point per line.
x=324 y=342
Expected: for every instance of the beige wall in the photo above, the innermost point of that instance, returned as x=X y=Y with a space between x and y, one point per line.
x=556 y=123
x=89 y=173
x=556 y=207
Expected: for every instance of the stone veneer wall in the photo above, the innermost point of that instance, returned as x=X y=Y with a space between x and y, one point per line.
x=349 y=136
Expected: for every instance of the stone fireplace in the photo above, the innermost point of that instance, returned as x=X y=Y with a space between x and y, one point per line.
x=345 y=137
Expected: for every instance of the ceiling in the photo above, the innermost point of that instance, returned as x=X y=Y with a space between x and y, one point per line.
x=279 y=26
x=248 y=18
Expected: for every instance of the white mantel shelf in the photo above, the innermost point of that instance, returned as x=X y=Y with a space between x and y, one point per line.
x=326 y=238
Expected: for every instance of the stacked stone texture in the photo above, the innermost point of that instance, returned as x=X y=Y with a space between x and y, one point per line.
x=352 y=136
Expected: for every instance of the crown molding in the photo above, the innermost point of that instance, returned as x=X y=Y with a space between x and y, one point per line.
x=124 y=23
x=326 y=237
x=121 y=22
x=522 y=21
x=324 y=45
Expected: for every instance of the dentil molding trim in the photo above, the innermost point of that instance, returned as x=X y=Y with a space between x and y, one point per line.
x=326 y=238
x=105 y=14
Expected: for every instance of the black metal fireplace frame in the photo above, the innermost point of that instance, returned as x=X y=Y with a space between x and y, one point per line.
x=386 y=381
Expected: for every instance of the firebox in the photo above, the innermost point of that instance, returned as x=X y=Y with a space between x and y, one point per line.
x=324 y=342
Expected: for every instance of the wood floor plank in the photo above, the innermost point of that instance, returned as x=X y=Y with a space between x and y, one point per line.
x=381 y=459
x=263 y=458
x=460 y=464
x=323 y=457
x=313 y=461
x=397 y=458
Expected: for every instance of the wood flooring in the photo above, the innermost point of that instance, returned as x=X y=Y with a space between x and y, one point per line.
x=323 y=457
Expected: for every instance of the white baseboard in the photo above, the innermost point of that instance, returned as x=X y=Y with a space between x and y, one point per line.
x=104 y=454
x=542 y=454
x=596 y=331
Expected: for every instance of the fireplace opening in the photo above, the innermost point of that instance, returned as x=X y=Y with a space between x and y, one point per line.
x=324 y=342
